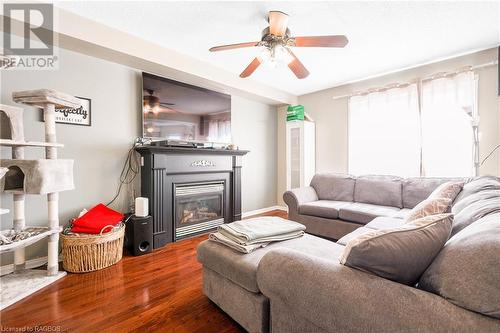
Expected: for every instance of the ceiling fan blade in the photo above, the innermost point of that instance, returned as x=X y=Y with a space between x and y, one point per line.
x=278 y=22
x=232 y=46
x=321 y=41
x=167 y=104
x=251 y=68
x=297 y=67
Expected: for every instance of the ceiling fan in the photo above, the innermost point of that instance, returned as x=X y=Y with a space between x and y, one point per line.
x=277 y=42
x=152 y=103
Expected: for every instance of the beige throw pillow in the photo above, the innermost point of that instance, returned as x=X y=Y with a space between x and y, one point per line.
x=448 y=190
x=429 y=207
x=399 y=254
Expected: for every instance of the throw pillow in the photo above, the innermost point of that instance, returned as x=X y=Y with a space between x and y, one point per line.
x=449 y=190
x=399 y=254
x=429 y=207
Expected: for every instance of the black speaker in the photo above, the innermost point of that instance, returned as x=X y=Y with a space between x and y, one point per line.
x=139 y=235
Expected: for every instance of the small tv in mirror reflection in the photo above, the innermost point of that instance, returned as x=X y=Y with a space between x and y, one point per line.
x=177 y=111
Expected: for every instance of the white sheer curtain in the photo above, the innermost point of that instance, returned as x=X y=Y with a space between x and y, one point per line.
x=448 y=106
x=219 y=131
x=384 y=133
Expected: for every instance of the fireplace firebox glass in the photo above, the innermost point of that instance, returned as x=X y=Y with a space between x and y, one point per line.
x=198 y=207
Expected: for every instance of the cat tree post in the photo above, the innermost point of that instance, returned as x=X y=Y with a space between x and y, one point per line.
x=49 y=116
x=18 y=215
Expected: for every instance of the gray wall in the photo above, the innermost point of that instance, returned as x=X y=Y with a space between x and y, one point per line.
x=99 y=151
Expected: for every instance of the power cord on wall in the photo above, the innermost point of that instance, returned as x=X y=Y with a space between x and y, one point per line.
x=491 y=153
x=130 y=170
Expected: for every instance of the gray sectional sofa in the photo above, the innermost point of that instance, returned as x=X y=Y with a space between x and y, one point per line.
x=335 y=205
x=299 y=285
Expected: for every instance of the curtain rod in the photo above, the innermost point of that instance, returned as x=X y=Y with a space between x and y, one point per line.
x=424 y=79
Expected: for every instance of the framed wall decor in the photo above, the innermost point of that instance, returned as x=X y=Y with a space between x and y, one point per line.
x=75 y=116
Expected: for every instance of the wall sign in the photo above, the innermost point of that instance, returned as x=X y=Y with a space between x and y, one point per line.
x=75 y=116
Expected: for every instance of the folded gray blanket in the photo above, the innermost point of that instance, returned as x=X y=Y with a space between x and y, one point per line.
x=220 y=238
x=248 y=235
x=259 y=229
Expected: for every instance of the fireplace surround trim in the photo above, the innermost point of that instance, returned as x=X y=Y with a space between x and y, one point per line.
x=164 y=167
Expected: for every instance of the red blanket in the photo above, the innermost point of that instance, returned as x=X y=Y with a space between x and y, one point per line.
x=96 y=219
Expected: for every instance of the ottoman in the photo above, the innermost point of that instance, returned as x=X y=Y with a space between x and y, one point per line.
x=230 y=277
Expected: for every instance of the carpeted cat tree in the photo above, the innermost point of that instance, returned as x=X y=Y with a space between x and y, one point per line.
x=21 y=176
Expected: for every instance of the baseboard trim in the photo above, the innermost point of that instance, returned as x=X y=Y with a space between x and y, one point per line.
x=29 y=264
x=263 y=210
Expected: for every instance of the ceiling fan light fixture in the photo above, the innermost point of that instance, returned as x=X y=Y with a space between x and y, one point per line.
x=151 y=104
x=275 y=56
x=148 y=109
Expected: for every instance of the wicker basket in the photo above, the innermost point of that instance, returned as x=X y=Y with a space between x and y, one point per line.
x=87 y=253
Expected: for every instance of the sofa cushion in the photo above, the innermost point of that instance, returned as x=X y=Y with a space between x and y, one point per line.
x=418 y=189
x=448 y=190
x=337 y=187
x=402 y=214
x=479 y=184
x=474 y=197
x=323 y=208
x=379 y=190
x=356 y=233
x=242 y=268
x=474 y=212
x=400 y=254
x=467 y=271
x=364 y=213
x=429 y=207
x=382 y=222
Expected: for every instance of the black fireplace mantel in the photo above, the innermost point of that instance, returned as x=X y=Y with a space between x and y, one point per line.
x=162 y=168
x=186 y=150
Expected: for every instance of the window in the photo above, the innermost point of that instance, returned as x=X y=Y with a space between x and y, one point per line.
x=384 y=133
x=219 y=130
x=447 y=138
x=400 y=132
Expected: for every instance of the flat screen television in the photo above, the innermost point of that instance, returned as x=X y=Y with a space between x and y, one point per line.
x=177 y=111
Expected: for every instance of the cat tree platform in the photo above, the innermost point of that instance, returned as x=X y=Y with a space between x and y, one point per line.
x=43 y=97
x=37 y=176
x=28 y=241
x=12 y=143
x=21 y=284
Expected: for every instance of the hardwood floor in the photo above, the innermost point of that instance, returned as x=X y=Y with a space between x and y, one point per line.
x=158 y=292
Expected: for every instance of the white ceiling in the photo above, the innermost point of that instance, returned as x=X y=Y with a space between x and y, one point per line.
x=383 y=36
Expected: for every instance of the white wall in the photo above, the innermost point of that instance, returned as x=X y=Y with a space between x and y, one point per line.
x=100 y=150
x=254 y=128
x=331 y=115
x=281 y=163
